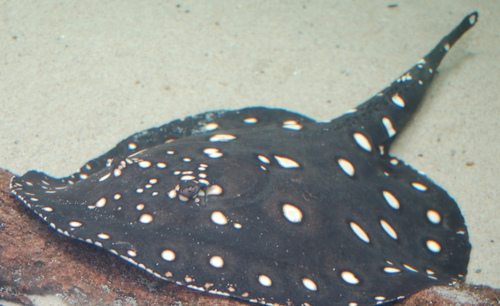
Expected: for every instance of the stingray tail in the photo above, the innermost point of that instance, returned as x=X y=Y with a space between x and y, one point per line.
x=385 y=114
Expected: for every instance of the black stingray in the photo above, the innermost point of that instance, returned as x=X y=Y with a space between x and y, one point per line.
x=269 y=206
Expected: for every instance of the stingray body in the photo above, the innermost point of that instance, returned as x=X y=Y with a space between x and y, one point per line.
x=269 y=206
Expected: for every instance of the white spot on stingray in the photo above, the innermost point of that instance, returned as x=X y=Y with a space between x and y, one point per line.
x=380 y=298
x=129 y=259
x=186 y=159
x=362 y=141
x=410 y=268
x=292 y=125
x=309 y=284
x=198 y=288
x=250 y=120
x=214 y=190
x=346 y=166
x=264 y=159
x=83 y=176
x=446 y=47
x=381 y=148
x=292 y=213
x=405 y=78
x=172 y=193
x=140 y=207
x=222 y=138
x=219 y=218
x=391 y=270
x=216 y=262
x=433 y=246
x=433 y=216
x=168 y=255
x=237 y=225
x=101 y=202
x=161 y=165
x=388 y=126
x=183 y=198
x=75 y=224
x=286 y=162
x=394 y=162
x=472 y=19
x=359 y=232
x=146 y=218
x=391 y=199
x=216 y=155
x=104 y=177
x=204 y=182
x=103 y=236
x=419 y=186
x=389 y=229
x=47 y=209
x=117 y=172
x=132 y=146
x=265 y=281
x=212 y=152
x=209 y=151
x=187 y=178
x=117 y=196
x=144 y=164
x=349 y=278
x=211 y=126
x=398 y=101
x=131 y=253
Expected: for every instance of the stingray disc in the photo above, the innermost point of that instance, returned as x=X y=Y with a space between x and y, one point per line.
x=269 y=206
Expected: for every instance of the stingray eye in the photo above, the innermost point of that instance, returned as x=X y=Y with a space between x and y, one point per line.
x=189 y=189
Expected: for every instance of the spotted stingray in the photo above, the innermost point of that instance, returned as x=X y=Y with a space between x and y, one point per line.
x=269 y=206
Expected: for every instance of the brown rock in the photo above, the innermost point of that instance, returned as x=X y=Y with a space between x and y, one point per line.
x=460 y=295
x=35 y=260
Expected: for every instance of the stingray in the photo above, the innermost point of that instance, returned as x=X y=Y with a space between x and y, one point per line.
x=269 y=206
